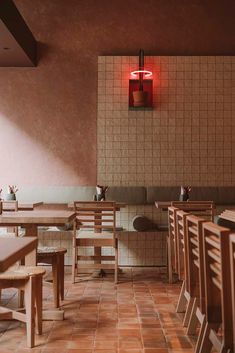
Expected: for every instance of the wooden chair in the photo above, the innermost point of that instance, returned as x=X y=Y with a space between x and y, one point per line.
x=29 y=280
x=182 y=260
x=11 y=206
x=218 y=331
x=204 y=209
x=192 y=297
x=180 y=244
x=96 y=225
x=172 y=243
x=232 y=266
x=55 y=258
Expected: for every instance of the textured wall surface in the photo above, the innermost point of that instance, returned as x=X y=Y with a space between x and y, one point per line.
x=48 y=114
x=189 y=135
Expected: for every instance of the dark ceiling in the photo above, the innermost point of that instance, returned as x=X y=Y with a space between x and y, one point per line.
x=17 y=44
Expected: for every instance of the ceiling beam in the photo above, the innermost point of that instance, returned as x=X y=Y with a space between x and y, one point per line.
x=18 y=46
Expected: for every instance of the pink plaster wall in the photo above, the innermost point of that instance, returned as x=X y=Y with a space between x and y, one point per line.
x=48 y=114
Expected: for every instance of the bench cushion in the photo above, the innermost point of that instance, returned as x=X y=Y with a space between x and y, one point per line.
x=162 y=193
x=131 y=195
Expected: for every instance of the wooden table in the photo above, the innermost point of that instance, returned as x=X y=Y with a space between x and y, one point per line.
x=23 y=206
x=30 y=220
x=15 y=249
x=229 y=215
x=163 y=205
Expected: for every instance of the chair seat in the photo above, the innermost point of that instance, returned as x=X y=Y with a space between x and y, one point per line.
x=87 y=234
x=22 y=272
x=50 y=251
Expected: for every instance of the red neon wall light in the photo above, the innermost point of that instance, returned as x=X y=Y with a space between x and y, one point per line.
x=140 y=88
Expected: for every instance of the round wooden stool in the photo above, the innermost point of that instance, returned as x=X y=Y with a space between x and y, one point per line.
x=54 y=257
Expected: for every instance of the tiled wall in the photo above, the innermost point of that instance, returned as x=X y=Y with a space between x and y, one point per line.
x=187 y=138
x=189 y=135
x=135 y=248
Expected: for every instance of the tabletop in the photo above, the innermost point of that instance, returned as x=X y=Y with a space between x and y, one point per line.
x=162 y=204
x=38 y=217
x=27 y=206
x=14 y=249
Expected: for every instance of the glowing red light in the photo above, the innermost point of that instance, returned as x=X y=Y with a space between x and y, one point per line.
x=147 y=73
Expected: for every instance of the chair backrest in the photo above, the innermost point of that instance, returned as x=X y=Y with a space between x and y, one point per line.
x=0 y=207
x=218 y=302
x=10 y=206
x=96 y=216
x=195 y=259
x=203 y=209
x=181 y=241
x=232 y=266
x=172 y=229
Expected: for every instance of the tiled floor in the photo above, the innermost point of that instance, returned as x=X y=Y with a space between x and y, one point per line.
x=137 y=316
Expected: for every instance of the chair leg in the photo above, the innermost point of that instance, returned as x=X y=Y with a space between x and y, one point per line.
x=182 y=302
x=116 y=263
x=55 y=274
x=188 y=312
x=20 y=298
x=169 y=262
x=206 y=344
x=29 y=307
x=61 y=275
x=193 y=321
x=200 y=335
x=38 y=302
x=74 y=263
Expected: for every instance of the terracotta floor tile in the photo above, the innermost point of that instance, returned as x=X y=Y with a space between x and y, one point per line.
x=83 y=337
x=28 y=350
x=105 y=337
x=130 y=351
x=129 y=332
x=178 y=342
x=106 y=345
x=136 y=316
x=155 y=342
x=156 y=350
x=81 y=344
x=105 y=351
x=62 y=344
x=78 y=351
x=130 y=342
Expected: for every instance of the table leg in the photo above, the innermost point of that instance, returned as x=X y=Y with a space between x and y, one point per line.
x=31 y=231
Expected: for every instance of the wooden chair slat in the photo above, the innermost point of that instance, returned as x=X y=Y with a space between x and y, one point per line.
x=214 y=254
x=216 y=268
x=218 y=297
x=93 y=220
x=213 y=241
